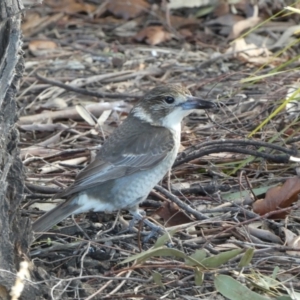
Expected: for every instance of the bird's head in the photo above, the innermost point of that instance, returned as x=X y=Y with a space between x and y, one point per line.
x=167 y=105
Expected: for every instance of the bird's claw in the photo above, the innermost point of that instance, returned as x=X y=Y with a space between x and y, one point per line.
x=155 y=229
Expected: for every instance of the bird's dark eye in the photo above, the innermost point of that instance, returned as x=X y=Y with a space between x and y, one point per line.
x=169 y=100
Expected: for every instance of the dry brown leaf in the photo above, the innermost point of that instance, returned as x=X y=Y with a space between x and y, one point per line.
x=42 y=47
x=249 y=52
x=72 y=6
x=279 y=197
x=259 y=61
x=172 y=215
x=186 y=33
x=242 y=25
x=127 y=9
x=153 y=35
x=33 y=22
x=179 y=22
x=222 y=8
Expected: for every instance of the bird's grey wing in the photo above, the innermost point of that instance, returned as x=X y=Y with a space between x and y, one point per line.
x=142 y=149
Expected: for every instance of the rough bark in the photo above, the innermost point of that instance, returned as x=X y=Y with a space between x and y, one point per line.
x=14 y=231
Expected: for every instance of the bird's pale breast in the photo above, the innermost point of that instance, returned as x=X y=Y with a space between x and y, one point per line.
x=127 y=191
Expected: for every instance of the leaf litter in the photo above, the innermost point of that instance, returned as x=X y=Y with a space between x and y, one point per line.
x=85 y=68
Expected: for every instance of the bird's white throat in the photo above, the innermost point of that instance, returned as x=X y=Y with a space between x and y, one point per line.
x=173 y=120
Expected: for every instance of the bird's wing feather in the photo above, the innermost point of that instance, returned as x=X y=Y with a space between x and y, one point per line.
x=124 y=153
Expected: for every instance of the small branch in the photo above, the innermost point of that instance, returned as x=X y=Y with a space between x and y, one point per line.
x=198 y=215
x=72 y=88
x=281 y=158
x=71 y=113
x=254 y=143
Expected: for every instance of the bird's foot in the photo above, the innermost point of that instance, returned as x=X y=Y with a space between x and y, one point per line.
x=139 y=215
x=155 y=229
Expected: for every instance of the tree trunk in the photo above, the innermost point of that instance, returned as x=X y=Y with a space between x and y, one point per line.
x=15 y=232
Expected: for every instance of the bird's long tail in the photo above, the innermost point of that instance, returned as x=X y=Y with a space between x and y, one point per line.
x=54 y=216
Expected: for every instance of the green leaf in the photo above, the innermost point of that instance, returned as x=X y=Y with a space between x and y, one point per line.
x=163 y=251
x=233 y=290
x=138 y=256
x=205 y=11
x=236 y=196
x=164 y=238
x=199 y=276
x=259 y=77
x=157 y=278
x=275 y=272
x=276 y=111
x=247 y=257
x=198 y=256
x=219 y=259
x=292 y=294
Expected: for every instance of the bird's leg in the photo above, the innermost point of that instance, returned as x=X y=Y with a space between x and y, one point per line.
x=138 y=216
x=141 y=214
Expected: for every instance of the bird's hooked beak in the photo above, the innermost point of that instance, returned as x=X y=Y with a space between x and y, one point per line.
x=197 y=103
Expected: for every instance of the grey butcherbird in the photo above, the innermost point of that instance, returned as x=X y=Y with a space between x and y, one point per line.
x=134 y=158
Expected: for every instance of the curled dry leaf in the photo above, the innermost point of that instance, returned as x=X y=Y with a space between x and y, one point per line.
x=180 y=22
x=292 y=240
x=72 y=6
x=172 y=215
x=240 y=47
x=250 y=53
x=153 y=35
x=127 y=9
x=242 y=25
x=42 y=47
x=279 y=197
